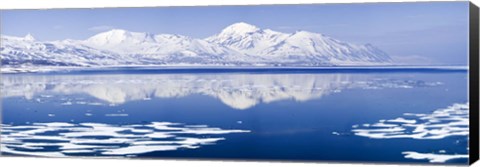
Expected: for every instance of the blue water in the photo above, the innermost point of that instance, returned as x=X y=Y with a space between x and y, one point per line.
x=296 y=115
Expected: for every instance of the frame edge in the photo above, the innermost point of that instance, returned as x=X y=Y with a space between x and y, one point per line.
x=474 y=83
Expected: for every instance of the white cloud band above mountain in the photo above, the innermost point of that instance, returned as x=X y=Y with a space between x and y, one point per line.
x=100 y=28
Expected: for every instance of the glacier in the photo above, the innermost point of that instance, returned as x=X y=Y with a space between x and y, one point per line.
x=239 y=44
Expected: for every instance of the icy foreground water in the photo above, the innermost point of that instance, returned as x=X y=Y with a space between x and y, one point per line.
x=103 y=139
x=401 y=116
x=442 y=123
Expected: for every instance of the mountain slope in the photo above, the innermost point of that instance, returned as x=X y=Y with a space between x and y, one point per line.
x=239 y=44
x=247 y=38
x=28 y=52
x=298 y=48
x=162 y=48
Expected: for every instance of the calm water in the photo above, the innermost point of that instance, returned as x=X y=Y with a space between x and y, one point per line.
x=370 y=116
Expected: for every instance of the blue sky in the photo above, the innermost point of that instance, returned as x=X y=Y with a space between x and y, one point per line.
x=430 y=33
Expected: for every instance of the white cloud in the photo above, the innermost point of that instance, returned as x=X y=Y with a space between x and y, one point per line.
x=308 y=26
x=413 y=60
x=100 y=28
x=57 y=27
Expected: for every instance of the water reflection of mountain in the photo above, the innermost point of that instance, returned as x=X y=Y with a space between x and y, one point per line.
x=240 y=91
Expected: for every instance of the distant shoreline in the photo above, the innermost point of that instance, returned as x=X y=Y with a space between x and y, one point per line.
x=230 y=69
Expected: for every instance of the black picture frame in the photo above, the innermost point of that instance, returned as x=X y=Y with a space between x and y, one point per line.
x=474 y=83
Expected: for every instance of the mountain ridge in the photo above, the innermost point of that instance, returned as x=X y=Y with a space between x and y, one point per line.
x=240 y=44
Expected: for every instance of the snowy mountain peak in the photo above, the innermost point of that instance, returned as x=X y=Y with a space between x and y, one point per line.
x=247 y=38
x=118 y=36
x=300 y=47
x=29 y=37
x=240 y=28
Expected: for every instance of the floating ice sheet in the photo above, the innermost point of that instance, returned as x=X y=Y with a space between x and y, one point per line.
x=433 y=158
x=58 y=139
x=451 y=121
x=441 y=123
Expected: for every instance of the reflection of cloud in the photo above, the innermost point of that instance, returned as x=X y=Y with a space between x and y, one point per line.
x=68 y=139
x=100 y=28
x=240 y=91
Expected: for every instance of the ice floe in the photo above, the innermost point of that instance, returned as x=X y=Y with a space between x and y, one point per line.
x=451 y=121
x=58 y=139
x=433 y=158
x=441 y=123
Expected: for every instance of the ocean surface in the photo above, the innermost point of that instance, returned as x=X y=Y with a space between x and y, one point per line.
x=374 y=115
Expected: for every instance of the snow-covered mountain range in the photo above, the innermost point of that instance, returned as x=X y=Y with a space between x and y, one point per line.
x=239 y=44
